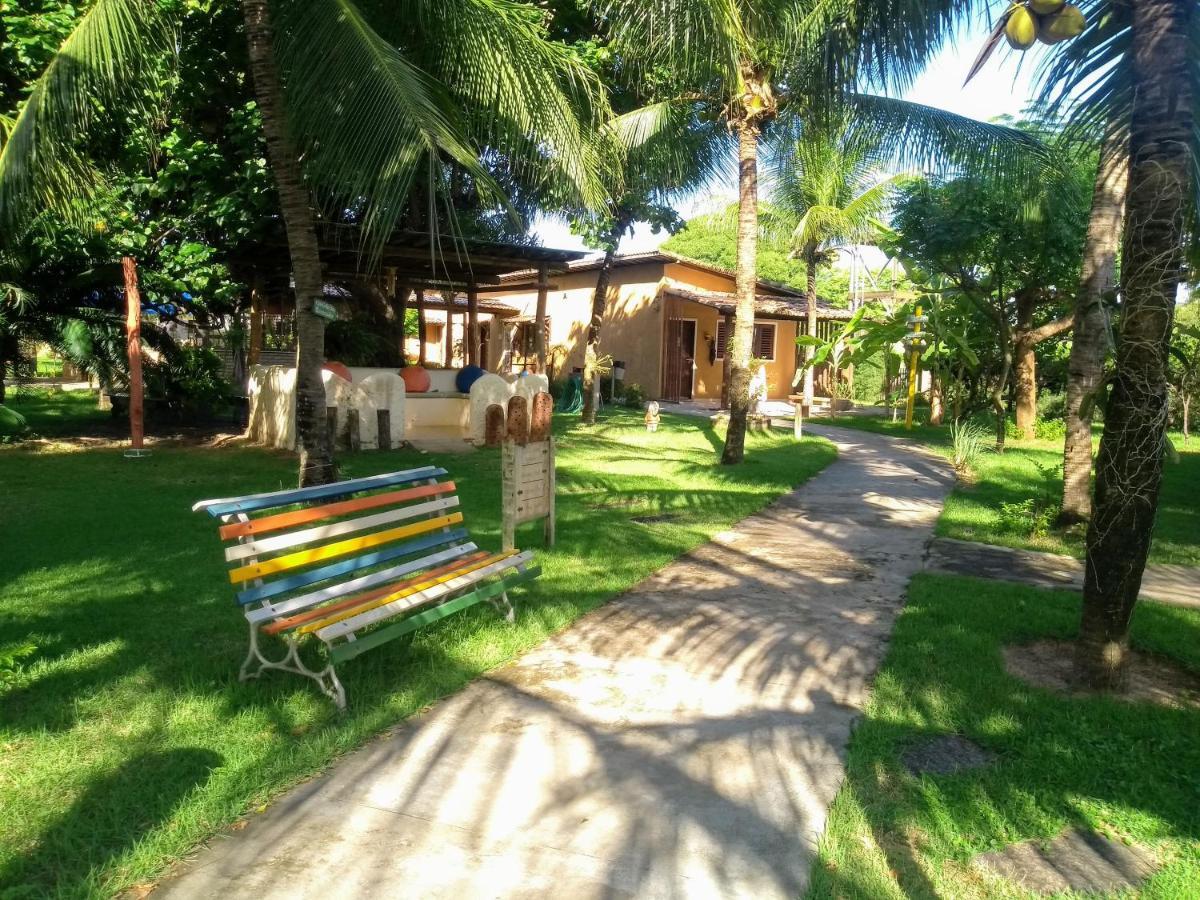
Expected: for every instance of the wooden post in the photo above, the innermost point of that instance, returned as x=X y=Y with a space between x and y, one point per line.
x=473 y=325
x=727 y=360
x=402 y=293
x=353 y=433
x=331 y=424
x=254 y=351
x=133 y=343
x=383 y=428
x=539 y=337
x=421 y=326
x=448 y=295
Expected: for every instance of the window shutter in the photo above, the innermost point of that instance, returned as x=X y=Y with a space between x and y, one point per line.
x=764 y=341
x=723 y=336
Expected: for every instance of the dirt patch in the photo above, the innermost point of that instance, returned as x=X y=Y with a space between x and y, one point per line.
x=197 y=438
x=1152 y=679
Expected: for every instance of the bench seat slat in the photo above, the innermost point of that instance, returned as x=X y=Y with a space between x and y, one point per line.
x=422 y=598
x=358 y=600
x=335 y=529
x=408 y=589
x=293 y=582
x=341 y=548
x=382 y=577
x=278 y=521
x=254 y=502
x=345 y=650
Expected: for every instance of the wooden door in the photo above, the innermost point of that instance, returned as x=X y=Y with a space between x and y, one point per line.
x=680 y=359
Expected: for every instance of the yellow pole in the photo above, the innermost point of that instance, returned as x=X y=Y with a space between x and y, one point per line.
x=913 y=359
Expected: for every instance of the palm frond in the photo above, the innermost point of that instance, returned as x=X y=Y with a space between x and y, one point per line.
x=367 y=122
x=108 y=61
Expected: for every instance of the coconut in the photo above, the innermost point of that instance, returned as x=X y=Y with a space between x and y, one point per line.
x=1063 y=25
x=1046 y=7
x=1021 y=29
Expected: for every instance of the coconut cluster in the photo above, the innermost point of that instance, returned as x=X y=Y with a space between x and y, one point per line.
x=1048 y=21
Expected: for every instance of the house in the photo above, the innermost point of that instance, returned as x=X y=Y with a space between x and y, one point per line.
x=667 y=319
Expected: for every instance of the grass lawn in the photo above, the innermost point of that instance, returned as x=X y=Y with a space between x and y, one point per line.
x=56 y=413
x=126 y=738
x=975 y=512
x=1129 y=770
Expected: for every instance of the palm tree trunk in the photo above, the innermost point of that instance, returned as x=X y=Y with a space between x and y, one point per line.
x=747 y=278
x=1129 y=467
x=810 y=273
x=1025 y=366
x=1085 y=368
x=591 y=382
x=316 y=455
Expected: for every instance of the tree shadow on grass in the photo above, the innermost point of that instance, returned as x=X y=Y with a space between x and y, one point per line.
x=107 y=820
x=1061 y=762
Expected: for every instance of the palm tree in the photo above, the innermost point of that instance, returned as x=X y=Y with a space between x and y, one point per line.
x=1162 y=160
x=828 y=192
x=1090 y=337
x=1134 y=69
x=346 y=94
x=761 y=65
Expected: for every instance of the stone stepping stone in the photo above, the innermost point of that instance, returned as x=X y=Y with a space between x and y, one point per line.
x=1074 y=861
x=945 y=755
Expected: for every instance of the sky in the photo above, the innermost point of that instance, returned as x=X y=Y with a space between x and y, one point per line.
x=1003 y=87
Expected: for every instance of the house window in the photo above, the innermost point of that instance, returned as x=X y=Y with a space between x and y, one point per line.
x=524 y=344
x=762 y=348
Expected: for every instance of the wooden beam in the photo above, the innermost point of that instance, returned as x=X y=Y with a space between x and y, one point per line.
x=473 y=326
x=539 y=337
x=449 y=335
x=421 y=326
x=133 y=328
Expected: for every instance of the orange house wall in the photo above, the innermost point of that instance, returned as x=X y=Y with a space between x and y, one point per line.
x=633 y=325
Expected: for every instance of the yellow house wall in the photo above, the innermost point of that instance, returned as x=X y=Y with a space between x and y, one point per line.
x=710 y=372
x=632 y=329
x=633 y=326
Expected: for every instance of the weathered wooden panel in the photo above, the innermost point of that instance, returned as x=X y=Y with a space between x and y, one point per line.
x=543 y=410
x=518 y=420
x=494 y=425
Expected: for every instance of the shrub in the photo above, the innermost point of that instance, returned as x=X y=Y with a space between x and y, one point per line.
x=1052 y=405
x=968 y=440
x=1050 y=429
x=633 y=396
x=190 y=380
x=11 y=656
x=869 y=380
x=1035 y=516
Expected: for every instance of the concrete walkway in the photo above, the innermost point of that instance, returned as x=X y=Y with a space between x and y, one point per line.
x=685 y=740
x=1176 y=585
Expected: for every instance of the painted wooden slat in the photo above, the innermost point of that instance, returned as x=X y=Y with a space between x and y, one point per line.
x=341 y=548
x=411 y=588
x=345 y=650
x=265 y=545
x=278 y=521
x=281 y=586
x=269 y=611
x=422 y=598
x=361 y=599
x=253 y=502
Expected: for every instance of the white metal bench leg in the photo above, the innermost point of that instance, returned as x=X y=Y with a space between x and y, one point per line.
x=505 y=608
x=326 y=679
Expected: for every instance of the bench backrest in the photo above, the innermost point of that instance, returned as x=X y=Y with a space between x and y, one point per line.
x=296 y=549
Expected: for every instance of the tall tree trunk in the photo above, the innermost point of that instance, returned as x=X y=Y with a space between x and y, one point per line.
x=1025 y=366
x=591 y=381
x=1129 y=467
x=937 y=405
x=746 y=281
x=316 y=454
x=402 y=314
x=1001 y=388
x=1089 y=342
x=1025 y=383
x=810 y=376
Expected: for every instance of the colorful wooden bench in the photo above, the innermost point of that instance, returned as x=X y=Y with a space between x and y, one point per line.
x=357 y=564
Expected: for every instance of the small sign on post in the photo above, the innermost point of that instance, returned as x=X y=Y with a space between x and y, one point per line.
x=324 y=310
